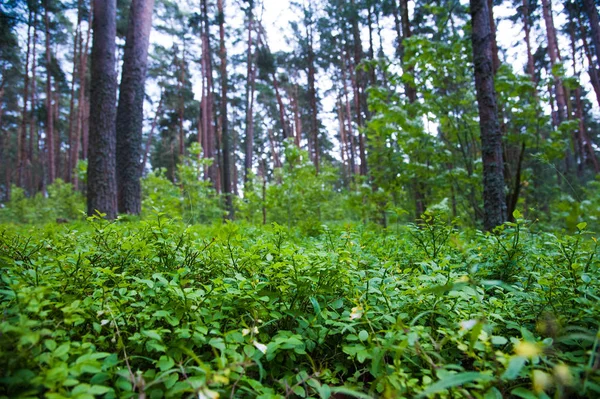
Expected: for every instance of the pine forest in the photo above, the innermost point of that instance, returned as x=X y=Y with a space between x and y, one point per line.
x=299 y=199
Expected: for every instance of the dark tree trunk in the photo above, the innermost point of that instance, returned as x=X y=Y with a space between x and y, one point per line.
x=312 y=95
x=357 y=80
x=561 y=102
x=130 y=111
x=224 y=118
x=411 y=91
x=151 y=134
x=250 y=82
x=83 y=106
x=33 y=134
x=592 y=13
x=101 y=179
x=72 y=117
x=22 y=137
x=494 y=200
x=208 y=115
x=527 y=29
x=495 y=58
x=50 y=150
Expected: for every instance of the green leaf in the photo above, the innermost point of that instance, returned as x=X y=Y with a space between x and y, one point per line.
x=153 y=334
x=165 y=363
x=523 y=393
x=581 y=226
x=363 y=335
x=515 y=365
x=455 y=380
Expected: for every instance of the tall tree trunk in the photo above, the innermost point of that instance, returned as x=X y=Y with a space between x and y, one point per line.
x=151 y=134
x=495 y=58
x=101 y=180
x=50 y=150
x=181 y=109
x=348 y=113
x=22 y=137
x=312 y=94
x=357 y=85
x=592 y=12
x=297 y=119
x=494 y=199
x=72 y=119
x=130 y=111
x=592 y=70
x=527 y=28
x=83 y=105
x=224 y=117
x=553 y=52
x=209 y=113
x=250 y=82
x=33 y=134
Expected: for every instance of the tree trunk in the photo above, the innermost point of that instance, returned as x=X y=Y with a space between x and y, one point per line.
x=357 y=84
x=495 y=58
x=50 y=150
x=130 y=111
x=592 y=12
x=181 y=109
x=553 y=52
x=209 y=102
x=494 y=199
x=151 y=134
x=312 y=95
x=250 y=82
x=22 y=137
x=83 y=105
x=527 y=29
x=33 y=134
x=101 y=180
x=72 y=120
x=224 y=117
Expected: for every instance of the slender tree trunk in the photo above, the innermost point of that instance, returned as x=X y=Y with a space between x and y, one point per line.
x=83 y=106
x=494 y=199
x=224 y=117
x=50 y=150
x=209 y=114
x=350 y=133
x=72 y=118
x=592 y=12
x=101 y=180
x=312 y=95
x=411 y=91
x=33 y=134
x=130 y=111
x=592 y=70
x=250 y=81
x=495 y=58
x=553 y=52
x=527 y=29
x=151 y=134
x=22 y=137
x=297 y=119
x=357 y=84
x=181 y=109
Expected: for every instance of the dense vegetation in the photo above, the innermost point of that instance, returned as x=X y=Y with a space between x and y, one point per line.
x=391 y=204
x=324 y=308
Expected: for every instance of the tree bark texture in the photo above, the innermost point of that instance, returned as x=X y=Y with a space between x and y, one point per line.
x=494 y=199
x=226 y=171
x=130 y=111
x=102 y=182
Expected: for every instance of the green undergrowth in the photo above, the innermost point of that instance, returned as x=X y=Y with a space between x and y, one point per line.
x=157 y=309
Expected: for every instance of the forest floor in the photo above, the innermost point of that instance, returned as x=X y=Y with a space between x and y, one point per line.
x=157 y=309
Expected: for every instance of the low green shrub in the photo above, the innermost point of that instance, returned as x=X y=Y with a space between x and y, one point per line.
x=161 y=309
